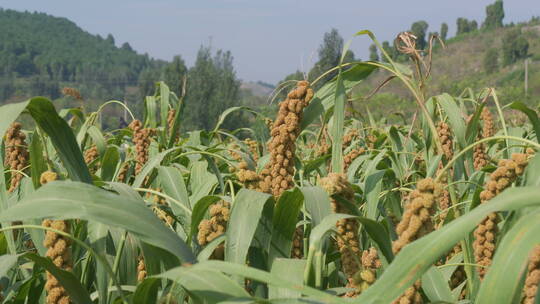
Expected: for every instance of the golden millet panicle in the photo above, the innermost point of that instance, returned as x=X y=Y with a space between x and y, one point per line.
x=141 y=269
x=141 y=139
x=488 y=129
x=445 y=136
x=365 y=277
x=506 y=173
x=58 y=250
x=253 y=146
x=278 y=174
x=72 y=92
x=351 y=156
x=411 y=296
x=162 y=215
x=370 y=141
x=249 y=178
x=16 y=153
x=123 y=172
x=212 y=228
x=170 y=119
x=416 y=221
x=348 y=138
x=297 y=251
x=347 y=229
x=324 y=146
x=533 y=276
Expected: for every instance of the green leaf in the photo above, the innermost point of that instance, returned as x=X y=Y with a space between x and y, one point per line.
x=109 y=162
x=205 y=283
x=284 y=221
x=436 y=287
x=245 y=214
x=7 y=261
x=61 y=135
x=533 y=116
x=74 y=200
x=293 y=270
x=372 y=191
x=338 y=125
x=36 y=159
x=146 y=291
x=317 y=203
x=9 y=114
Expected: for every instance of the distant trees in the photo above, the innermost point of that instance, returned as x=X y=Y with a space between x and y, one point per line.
x=419 y=29
x=465 y=26
x=494 y=15
x=329 y=55
x=491 y=60
x=373 y=54
x=173 y=74
x=514 y=46
x=444 y=31
x=212 y=88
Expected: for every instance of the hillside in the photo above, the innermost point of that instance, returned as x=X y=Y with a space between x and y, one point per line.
x=460 y=65
x=39 y=52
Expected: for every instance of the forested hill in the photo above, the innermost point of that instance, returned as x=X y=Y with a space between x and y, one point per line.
x=45 y=51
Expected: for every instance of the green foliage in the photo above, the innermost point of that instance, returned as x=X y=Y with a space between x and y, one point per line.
x=491 y=60
x=419 y=29
x=444 y=31
x=329 y=55
x=373 y=53
x=494 y=15
x=465 y=26
x=514 y=46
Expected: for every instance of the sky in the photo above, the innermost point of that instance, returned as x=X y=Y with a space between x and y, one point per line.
x=268 y=39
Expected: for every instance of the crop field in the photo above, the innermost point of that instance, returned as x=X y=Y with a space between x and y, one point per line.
x=314 y=204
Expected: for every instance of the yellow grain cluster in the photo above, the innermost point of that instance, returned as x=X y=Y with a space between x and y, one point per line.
x=141 y=269
x=364 y=278
x=170 y=119
x=323 y=147
x=72 y=92
x=347 y=229
x=416 y=221
x=16 y=153
x=506 y=173
x=249 y=178
x=533 y=276
x=278 y=174
x=351 y=156
x=212 y=228
x=57 y=250
x=445 y=136
x=297 y=251
x=141 y=139
x=348 y=138
x=123 y=172
x=253 y=147
x=488 y=129
x=370 y=141
x=162 y=215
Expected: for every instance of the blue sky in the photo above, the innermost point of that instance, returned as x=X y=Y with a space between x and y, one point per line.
x=268 y=39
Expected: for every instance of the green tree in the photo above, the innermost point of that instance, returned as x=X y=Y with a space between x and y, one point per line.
x=491 y=60
x=494 y=15
x=212 y=88
x=444 y=31
x=373 y=54
x=419 y=29
x=174 y=73
x=388 y=49
x=329 y=55
x=514 y=46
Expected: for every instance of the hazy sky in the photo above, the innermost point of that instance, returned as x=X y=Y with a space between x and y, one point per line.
x=268 y=39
